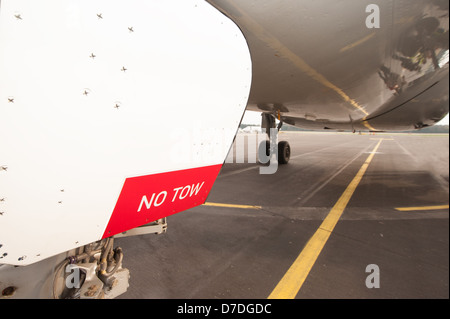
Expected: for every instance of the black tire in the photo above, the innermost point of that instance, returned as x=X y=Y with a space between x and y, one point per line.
x=284 y=152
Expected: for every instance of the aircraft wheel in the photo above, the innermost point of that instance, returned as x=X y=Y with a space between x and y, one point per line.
x=284 y=152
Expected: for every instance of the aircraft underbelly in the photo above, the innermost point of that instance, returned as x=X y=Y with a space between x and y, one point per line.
x=318 y=63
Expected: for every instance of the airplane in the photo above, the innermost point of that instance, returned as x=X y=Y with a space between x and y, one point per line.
x=324 y=68
x=359 y=65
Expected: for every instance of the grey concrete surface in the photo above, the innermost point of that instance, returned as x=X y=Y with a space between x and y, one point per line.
x=227 y=253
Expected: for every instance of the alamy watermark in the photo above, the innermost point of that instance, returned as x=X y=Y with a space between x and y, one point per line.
x=373 y=279
x=373 y=19
x=201 y=146
x=73 y=277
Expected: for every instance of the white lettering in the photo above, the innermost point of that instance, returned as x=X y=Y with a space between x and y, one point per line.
x=240 y=148
x=272 y=158
x=373 y=280
x=157 y=202
x=205 y=310
x=73 y=279
x=180 y=193
x=196 y=189
x=176 y=193
x=187 y=188
x=147 y=203
x=373 y=19
x=245 y=308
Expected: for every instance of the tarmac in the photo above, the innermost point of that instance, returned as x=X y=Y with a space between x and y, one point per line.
x=351 y=216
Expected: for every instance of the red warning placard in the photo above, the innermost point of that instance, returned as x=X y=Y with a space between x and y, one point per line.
x=147 y=198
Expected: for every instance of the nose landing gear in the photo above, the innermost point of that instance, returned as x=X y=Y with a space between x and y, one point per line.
x=281 y=149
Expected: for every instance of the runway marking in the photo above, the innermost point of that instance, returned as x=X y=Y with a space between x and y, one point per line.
x=293 y=157
x=370 y=127
x=232 y=206
x=355 y=44
x=293 y=280
x=411 y=209
x=321 y=184
x=406 y=151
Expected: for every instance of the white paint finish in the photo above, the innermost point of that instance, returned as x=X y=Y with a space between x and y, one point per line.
x=187 y=67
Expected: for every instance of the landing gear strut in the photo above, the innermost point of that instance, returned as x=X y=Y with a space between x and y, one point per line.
x=281 y=149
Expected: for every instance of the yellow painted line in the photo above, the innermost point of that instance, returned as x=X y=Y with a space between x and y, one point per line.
x=411 y=209
x=232 y=206
x=370 y=127
x=355 y=44
x=285 y=52
x=292 y=281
